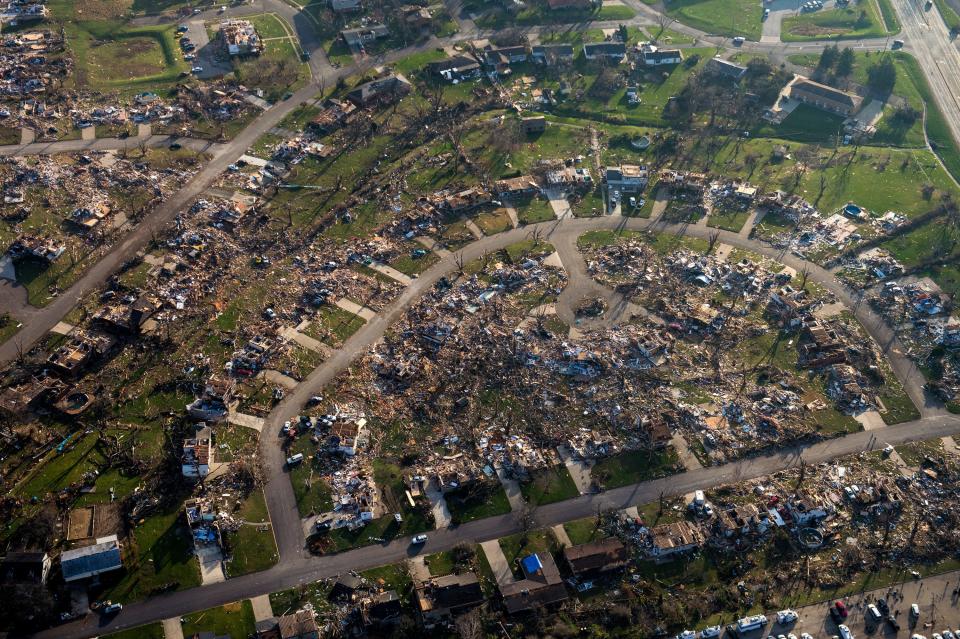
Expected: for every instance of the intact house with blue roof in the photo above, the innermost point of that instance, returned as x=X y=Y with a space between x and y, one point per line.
x=90 y=561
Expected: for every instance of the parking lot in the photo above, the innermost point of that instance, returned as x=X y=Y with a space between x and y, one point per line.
x=205 y=51
x=935 y=597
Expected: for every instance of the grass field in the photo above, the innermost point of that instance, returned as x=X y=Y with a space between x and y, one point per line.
x=536 y=210
x=634 y=466
x=150 y=631
x=721 y=17
x=252 y=547
x=861 y=20
x=549 y=485
x=234 y=620
x=487 y=500
x=582 y=531
x=728 y=220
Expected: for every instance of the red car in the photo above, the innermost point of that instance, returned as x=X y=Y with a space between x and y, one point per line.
x=841 y=608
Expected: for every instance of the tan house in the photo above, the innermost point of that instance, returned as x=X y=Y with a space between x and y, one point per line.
x=825 y=97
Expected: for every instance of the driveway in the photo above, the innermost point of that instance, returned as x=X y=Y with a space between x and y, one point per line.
x=206 y=51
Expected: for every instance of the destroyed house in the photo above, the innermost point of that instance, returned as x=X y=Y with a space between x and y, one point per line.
x=825 y=97
x=301 y=624
x=334 y=114
x=724 y=68
x=344 y=588
x=821 y=347
x=457 y=68
x=533 y=124
x=570 y=176
x=240 y=38
x=357 y=38
x=382 y=91
x=440 y=598
x=521 y=186
x=197 y=455
x=552 y=53
x=465 y=200
x=806 y=509
x=87 y=218
x=684 y=182
x=31 y=394
x=41 y=248
x=788 y=304
x=596 y=557
x=127 y=317
x=384 y=608
x=743 y=519
x=541 y=585
x=415 y=16
x=346 y=436
x=25 y=568
x=78 y=351
x=670 y=540
x=615 y=51
x=90 y=561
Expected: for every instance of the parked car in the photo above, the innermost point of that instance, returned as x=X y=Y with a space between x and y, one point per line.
x=841 y=608
x=739 y=40
x=111 y=609
x=419 y=539
x=197 y=69
x=711 y=633
x=787 y=616
x=893 y=623
x=766 y=13
x=914 y=611
x=897 y=44
x=845 y=632
x=873 y=613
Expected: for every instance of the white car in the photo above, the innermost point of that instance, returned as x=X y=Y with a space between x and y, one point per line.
x=419 y=539
x=915 y=611
x=197 y=69
x=845 y=632
x=937 y=635
x=787 y=616
x=711 y=633
x=190 y=57
x=687 y=634
x=806 y=635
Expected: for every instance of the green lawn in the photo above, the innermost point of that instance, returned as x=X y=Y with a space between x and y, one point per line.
x=521 y=545
x=861 y=20
x=234 y=620
x=441 y=563
x=950 y=17
x=251 y=547
x=635 y=466
x=582 y=531
x=150 y=631
x=390 y=577
x=494 y=222
x=728 y=220
x=486 y=500
x=312 y=492
x=723 y=17
x=268 y=25
x=537 y=210
x=159 y=552
x=409 y=265
x=915 y=452
x=333 y=325
x=549 y=485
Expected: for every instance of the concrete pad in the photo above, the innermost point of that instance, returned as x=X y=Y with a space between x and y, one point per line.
x=62 y=328
x=474 y=229
x=829 y=310
x=218 y=469
x=690 y=461
x=419 y=572
x=871 y=420
x=755 y=218
x=144 y=130
x=512 y=212
x=632 y=511
x=392 y=273
x=543 y=309
x=432 y=245
x=8 y=270
x=172 y=628
x=305 y=340
x=553 y=260
x=364 y=312
x=278 y=378
x=559 y=204
x=27 y=136
x=660 y=201
x=498 y=562
x=512 y=488
x=441 y=512
x=255 y=101
x=261 y=607
x=253 y=160
x=561 y=534
x=950 y=446
x=722 y=251
x=579 y=469
x=211 y=564
x=88 y=133
x=248 y=421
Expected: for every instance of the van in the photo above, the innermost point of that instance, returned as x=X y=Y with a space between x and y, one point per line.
x=873 y=613
x=294 y=460
x=748 y=624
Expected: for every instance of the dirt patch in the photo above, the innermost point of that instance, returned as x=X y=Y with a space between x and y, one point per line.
x=93 y=521
x=101 y=9
x=815 y=30
x=126 y=59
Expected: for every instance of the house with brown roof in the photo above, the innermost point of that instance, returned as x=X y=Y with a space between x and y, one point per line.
x=825 y=97
x=596 y=557
x=299 y=625
x=523 y=185
x=541 y=585
x=441 y=598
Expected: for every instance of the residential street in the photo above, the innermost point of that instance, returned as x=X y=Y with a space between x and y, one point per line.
x=927 y=38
